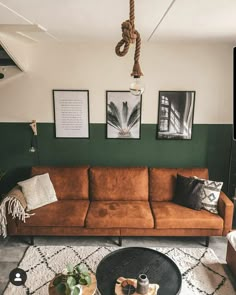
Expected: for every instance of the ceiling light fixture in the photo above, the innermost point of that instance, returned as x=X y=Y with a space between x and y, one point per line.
x=130 y=36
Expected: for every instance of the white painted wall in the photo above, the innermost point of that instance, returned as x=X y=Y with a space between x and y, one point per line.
x=205 y=68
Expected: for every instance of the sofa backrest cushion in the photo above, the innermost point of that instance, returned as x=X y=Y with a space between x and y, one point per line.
x=162 y=181
x=123 y=184
x=70 y=183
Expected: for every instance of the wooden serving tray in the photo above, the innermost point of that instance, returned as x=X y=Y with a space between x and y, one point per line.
x=153 y=288
x=87 y=290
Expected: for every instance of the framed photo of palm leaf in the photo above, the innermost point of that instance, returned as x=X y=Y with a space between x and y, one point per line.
x=123 y=115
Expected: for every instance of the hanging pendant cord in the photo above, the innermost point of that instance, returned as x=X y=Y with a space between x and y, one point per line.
x=130 y=35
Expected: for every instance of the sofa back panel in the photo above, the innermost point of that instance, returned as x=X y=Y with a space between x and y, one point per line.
x=162 y=181
x=123 y=184
x=70 y=183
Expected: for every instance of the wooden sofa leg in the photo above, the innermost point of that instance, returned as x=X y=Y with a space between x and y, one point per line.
x=31 y=243
x=120 y=241
x=207 y=241
x=29 y=240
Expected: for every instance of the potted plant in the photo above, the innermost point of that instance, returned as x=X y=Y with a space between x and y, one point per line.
x=2 y=173
x=71 y=280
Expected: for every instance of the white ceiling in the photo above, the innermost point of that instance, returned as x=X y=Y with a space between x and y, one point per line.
x=96 y=20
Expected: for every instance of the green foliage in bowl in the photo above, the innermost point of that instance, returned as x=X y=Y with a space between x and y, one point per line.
x=67 y=283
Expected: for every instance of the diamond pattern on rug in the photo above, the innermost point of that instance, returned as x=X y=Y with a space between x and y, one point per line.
x=200 y=268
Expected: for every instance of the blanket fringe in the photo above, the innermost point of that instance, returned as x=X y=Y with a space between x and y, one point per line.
x=14 y=208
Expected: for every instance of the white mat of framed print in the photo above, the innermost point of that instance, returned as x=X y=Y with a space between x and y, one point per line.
x=123 y=115
x=71 y=113
x=175 y=114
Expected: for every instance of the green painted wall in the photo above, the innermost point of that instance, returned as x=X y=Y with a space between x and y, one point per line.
x=209 y=147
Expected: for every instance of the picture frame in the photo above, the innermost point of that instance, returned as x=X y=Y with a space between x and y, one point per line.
x=175 y=114
x=123 y=115
x=71 y=113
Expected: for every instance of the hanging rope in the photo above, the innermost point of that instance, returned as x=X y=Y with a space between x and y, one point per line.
x=129 y=36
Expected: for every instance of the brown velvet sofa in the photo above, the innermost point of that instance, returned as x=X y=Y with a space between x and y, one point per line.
x=112 y=201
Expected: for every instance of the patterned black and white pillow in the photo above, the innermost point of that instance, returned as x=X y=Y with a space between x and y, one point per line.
x=210 y=194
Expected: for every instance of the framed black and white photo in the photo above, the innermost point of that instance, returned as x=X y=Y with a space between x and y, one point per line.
x=175 y=114
x=123 y=115
x=71 y=113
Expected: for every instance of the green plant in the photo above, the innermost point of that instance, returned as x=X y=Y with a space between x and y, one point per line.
x=125 y=120
x=2 y=173
x=66 y=283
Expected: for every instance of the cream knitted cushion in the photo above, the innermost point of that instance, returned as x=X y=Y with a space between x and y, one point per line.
x=38 y=191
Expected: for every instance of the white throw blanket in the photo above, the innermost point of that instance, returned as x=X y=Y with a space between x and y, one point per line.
x=11 y=204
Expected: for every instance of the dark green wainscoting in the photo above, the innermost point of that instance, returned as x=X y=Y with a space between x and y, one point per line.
x=209 y=147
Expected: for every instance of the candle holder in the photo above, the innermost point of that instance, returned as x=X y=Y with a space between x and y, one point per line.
x=142 y=284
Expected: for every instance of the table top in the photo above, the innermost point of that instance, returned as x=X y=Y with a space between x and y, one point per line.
x=132 y=261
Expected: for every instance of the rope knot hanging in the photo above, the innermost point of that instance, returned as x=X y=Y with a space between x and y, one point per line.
x=129 y=36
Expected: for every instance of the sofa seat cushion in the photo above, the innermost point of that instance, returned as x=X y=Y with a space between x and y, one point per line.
x=119 y=214
x=61 y=213
x=171 y=215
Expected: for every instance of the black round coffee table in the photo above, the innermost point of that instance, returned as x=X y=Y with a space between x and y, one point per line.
x=132 y=261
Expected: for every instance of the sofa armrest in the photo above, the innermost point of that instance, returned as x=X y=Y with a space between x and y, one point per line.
x=226 y=211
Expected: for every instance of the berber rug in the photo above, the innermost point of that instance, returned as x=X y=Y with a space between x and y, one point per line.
x=201 y=271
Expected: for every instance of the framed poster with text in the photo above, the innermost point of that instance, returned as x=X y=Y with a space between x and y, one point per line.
x=71 y=113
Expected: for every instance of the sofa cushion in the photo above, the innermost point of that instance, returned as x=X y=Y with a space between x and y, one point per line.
x=170 y=215
x=162 y=181
x=69 y=183
x=119 y=184
x=38 y=191
x=61 y=213
x=119 y=214
x=188 y=192
x=210 y=194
